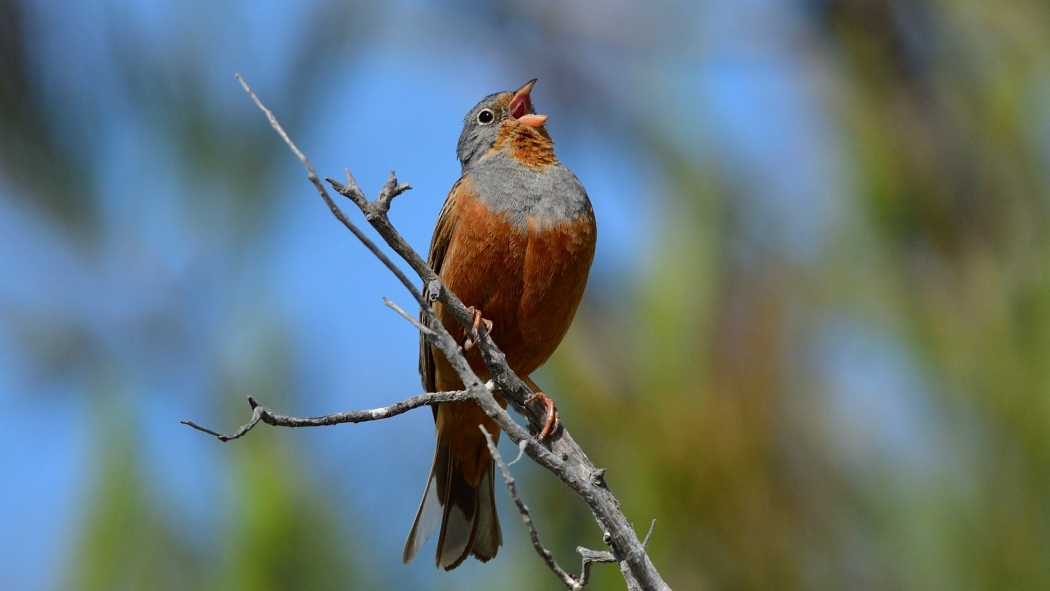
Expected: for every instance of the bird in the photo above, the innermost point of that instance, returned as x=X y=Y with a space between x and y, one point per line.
x=514 y=241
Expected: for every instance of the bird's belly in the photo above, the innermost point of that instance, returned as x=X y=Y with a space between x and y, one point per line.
x=527 y=281
x=554 y=274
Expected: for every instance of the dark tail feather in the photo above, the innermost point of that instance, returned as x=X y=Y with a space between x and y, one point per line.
x=489 y=537
x=459 y=526
x=469 y=523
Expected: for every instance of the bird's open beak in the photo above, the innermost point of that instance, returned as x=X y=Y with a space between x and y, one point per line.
x=521 y=107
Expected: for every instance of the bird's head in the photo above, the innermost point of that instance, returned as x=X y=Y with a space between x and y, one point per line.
x=498 y=118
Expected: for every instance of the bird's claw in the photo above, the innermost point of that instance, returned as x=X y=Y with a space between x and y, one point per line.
x=475 y=329
x=552 y=422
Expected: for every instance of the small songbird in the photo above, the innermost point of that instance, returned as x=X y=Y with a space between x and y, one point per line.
x=514 y=240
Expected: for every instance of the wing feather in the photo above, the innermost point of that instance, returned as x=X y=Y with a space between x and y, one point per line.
x=443 y=232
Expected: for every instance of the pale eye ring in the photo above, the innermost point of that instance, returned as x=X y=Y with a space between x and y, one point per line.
x=485 y=116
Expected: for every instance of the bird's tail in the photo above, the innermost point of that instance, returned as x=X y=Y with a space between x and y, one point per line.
x=459 y=494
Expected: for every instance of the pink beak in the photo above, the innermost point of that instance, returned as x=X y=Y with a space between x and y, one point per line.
x=521 y=107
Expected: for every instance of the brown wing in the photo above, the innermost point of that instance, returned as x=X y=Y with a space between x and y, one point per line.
x=443 y=231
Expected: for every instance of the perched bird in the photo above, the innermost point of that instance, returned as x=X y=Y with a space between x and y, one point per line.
x=514 y=240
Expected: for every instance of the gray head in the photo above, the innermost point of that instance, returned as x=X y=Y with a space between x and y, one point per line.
x=495 y=117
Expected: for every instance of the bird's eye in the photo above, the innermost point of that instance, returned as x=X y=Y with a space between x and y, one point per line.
x=485 y=116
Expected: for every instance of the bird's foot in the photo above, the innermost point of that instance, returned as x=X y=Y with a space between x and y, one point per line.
x=551 y=425
x=475 y=329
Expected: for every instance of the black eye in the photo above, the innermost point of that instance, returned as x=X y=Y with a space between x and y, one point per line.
x=485 y=116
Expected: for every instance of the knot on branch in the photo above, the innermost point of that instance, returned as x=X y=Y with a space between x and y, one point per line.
x=433 y=291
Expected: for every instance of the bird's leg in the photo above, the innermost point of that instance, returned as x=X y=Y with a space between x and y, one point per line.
x=475 y=332
x=552 y=423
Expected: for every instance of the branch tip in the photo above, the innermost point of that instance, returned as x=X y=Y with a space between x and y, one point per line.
x=521 y=451
x=391 y=189
x=426 y=330
x=645 y=542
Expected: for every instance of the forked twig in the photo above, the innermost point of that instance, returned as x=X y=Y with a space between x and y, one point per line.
x=261 y=413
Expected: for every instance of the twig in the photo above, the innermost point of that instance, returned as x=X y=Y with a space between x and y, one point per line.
x=589 y=558
x=261 y=413
x=391 y=189
x=645 y=542
x=564 y=457
x=592 y=556
x=569 y=580
x=338 y=213
x=521 y=453
x=419 y=325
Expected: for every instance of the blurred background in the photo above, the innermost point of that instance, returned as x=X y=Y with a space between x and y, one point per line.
x=815 y=345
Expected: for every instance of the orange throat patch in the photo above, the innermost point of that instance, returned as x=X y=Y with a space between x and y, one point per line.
x=530 y=145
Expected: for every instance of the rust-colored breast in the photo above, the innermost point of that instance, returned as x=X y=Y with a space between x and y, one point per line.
x=528 y=283
x=557 y=263
x=527 y=280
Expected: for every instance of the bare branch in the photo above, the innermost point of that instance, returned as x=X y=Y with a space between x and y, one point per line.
x=261 y=413
x=563 y=457
x=569 y=580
